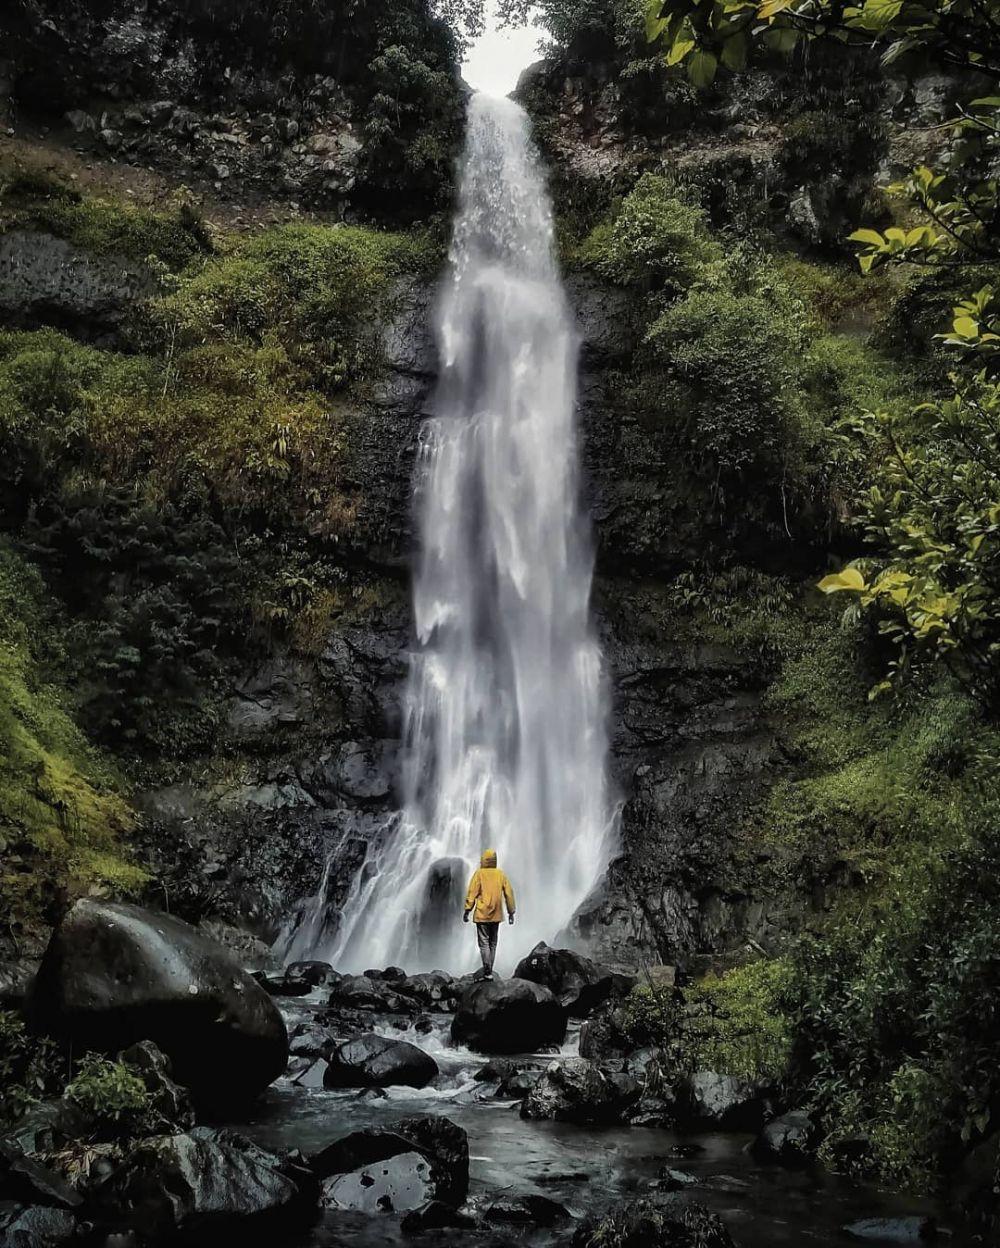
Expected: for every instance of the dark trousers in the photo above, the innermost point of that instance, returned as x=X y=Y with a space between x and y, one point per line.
x=486 y=934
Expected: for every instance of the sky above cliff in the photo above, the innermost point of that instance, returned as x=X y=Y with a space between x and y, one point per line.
x=495 y=60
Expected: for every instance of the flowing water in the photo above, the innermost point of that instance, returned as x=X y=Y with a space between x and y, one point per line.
x=504 y=736
x=585 y=1168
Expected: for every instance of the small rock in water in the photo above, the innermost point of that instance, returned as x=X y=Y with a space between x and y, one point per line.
x=435 y=1216
x=527 y=1211
x=907 y=1230
x=372 y=1061
x=788 y=1140
x=674 y=1180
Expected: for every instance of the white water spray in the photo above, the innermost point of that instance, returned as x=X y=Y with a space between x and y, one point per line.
x=505 y=740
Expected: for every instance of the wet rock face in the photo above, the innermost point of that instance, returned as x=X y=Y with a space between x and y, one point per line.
x=116 y=974
x=582 y=1092
x=577 y=982
x=35 y=1226
x=45 y=280
x=511 y=1016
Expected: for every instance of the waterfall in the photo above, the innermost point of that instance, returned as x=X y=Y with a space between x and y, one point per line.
x=504 y=711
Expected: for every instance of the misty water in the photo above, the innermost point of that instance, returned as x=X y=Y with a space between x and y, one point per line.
x=504 y=741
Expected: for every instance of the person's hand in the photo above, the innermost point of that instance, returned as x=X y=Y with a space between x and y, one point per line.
x=465 y=917
x=510 y=920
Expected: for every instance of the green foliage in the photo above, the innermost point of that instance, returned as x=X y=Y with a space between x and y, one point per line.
x=935 y=511
x=30 y=1067
x=113 y=1098
x=317 y=294
x=737 y=1023
x=657 y=241
x=898 y=1009
x=62 y=816
x=31 y=198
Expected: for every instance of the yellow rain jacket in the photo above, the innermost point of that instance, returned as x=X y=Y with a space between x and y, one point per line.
x=488 y=889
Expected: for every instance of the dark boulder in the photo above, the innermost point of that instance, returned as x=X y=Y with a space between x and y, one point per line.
x=359 y=992
x=577 y=982
x=432 y=990
x=510 y=1016
x=788 y=1140
x=198 y=1182
x=313 y=974
x=372 y=1061
x=309 y=1040
x=510 y=1077
x=579 y=1091
x=307 y=1072
x=281 y=986
x=605 y=1035
x=26 y=1180
x=115 y=974
x=396 y=1184
x=442 y=1144
x=435 y=1216
x=909 y=1230
x=707 y=1098
x=668 y=1223
x=34 y=1226
x=527 y=1210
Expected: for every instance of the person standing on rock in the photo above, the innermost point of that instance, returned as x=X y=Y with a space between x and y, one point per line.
x=489 y=890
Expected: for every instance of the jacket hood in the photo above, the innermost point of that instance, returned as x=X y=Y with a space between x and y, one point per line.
x=489 y=858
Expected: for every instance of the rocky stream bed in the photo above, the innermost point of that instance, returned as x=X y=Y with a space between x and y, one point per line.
x=363 y=1110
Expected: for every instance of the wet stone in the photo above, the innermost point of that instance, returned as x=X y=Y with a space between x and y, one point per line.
x=394 y=1185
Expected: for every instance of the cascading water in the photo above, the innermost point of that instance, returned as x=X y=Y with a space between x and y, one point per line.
x=504 y=739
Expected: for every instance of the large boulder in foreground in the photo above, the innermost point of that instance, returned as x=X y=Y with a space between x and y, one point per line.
x=116 y=974
x=362 y=1159
x=668 y=1223
x=508 y=1016
x=201 y=1182
x=578 y=983
x=373 y=1061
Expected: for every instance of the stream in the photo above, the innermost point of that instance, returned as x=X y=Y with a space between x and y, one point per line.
x=584 y=1168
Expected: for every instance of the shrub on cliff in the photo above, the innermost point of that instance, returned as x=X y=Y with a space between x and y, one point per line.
x=657 y=241
x=62 y=816
x=320 y=293
x=34 y=199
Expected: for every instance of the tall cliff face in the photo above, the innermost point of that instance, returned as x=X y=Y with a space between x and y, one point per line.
x=275 y=385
